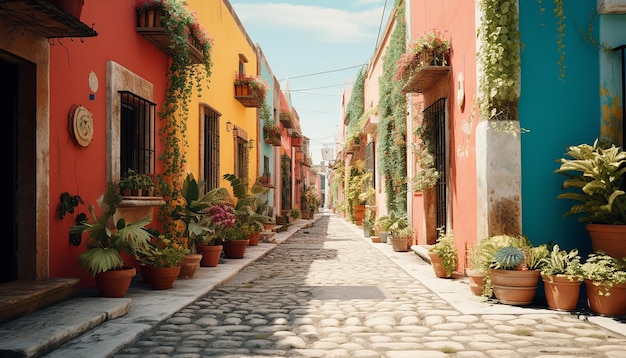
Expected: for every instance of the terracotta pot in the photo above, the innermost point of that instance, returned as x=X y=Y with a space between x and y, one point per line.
x=235 y=249
x=514 y=287
x=613 y=305
x=210 y=254
x=164 y=277
x=476 y=281
x=115 y=283
x=359 y=214
x=190 y=265
x=268 y=227
x=398 y=244
x=435 y=262
x=254 y=239
x=375 y=238
x=609 y=238
x=561 y=293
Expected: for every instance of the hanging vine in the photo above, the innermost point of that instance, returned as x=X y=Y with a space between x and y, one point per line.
x=499 y=57
x=391 y=146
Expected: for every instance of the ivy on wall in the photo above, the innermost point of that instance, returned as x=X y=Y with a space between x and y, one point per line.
x=499 y=58
x=392 y=106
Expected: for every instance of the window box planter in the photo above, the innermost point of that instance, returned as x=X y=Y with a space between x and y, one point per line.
x=151 y=26
x=296 y=141
x=247 y=97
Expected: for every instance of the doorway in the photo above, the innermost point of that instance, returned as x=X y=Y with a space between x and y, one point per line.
x=18 y=162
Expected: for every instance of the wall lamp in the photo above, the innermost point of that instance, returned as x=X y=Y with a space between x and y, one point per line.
x=229 y=126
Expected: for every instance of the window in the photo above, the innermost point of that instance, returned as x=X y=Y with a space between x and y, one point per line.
x=137 y=133
x=211 y=150
x=241 y=165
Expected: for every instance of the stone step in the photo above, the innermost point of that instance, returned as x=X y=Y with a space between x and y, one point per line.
x=43 y=331
x=19 y=298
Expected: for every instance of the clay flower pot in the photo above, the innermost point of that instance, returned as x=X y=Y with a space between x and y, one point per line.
x=561 y=293
x=235 y=249
x=190 y=265
x=115 y=283
x=164 y=277
x=210 y=254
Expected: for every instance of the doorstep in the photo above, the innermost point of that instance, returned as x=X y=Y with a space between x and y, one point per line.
x=41 y=332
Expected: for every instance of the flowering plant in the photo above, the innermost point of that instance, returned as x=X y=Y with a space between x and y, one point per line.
x=162 y=252
x=143 y=5
x=257 y=84
x=426 y=50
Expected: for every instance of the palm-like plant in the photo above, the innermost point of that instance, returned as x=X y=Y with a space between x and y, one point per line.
x=599 y=184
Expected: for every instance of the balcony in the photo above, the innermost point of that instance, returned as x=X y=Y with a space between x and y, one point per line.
x=149 y=25
x=424 y=78
x=43 y=18
x=247 y=97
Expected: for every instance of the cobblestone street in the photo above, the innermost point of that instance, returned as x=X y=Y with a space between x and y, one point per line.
x=326 y=292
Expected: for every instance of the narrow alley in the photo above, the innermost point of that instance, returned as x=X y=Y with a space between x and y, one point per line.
x=327 y=292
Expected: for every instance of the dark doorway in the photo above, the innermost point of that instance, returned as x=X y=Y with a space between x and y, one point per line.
x=9 y=84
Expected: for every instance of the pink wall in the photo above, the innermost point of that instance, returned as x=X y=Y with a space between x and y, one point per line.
x=457 y=20
x=81 y=171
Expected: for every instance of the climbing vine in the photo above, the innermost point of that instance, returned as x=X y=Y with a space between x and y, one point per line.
x=499 y=57
x=391 y=146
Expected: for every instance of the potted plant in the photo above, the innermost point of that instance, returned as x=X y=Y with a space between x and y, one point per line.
x=203 y=218
x=250 y=90
x=236 y=239
x=401 y=238
x=443 y=254
x=106 y=241
x=162 y=259
x=430 y=49
x=474 y=271
x=515 y=273
x=562 y=276
x=134 y=183
x=605 y=282
x=596 y=176
x=368 y=223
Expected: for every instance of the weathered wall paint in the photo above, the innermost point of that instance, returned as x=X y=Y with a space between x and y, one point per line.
x=557 y=114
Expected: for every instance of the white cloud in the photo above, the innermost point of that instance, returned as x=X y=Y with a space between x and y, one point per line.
x=314 y=23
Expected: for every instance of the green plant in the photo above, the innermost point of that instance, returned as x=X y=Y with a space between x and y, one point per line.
x=162 y=252
x=445 y=248
x=406 y=231
x=257 y=85
x=67 y=204
x=251 y=203
x=499 y=58
x=507 y=258
x=534 y=257
x=295 y=213
x=429 y=49
x=598 y=183
x=368 y=221
x=393 y=222
x=105 y=243
x=238 y=231
x=561 y=262
x=392 y=107
x=604 y=270
x=183 y=76
x=202 y=222
x=309 y=199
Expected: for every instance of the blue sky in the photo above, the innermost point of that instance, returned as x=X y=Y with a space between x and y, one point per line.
x=318 y=46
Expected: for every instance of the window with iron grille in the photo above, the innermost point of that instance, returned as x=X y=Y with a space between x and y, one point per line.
x=436 y=114
x=137 y=134
x=370 y=161
x=242 y=158
x=211 y=149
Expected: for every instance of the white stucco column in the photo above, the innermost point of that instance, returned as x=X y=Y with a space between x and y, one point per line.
x=498 y=171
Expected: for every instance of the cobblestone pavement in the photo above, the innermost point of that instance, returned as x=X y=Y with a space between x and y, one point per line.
x=325 y=292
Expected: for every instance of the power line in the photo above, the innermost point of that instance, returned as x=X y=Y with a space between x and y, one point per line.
x=324 y=72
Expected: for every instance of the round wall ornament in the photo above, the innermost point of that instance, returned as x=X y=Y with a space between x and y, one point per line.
x=81 y=125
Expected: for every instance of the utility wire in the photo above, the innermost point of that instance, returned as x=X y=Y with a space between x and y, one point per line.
x=324 y=72
x=380 y=26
